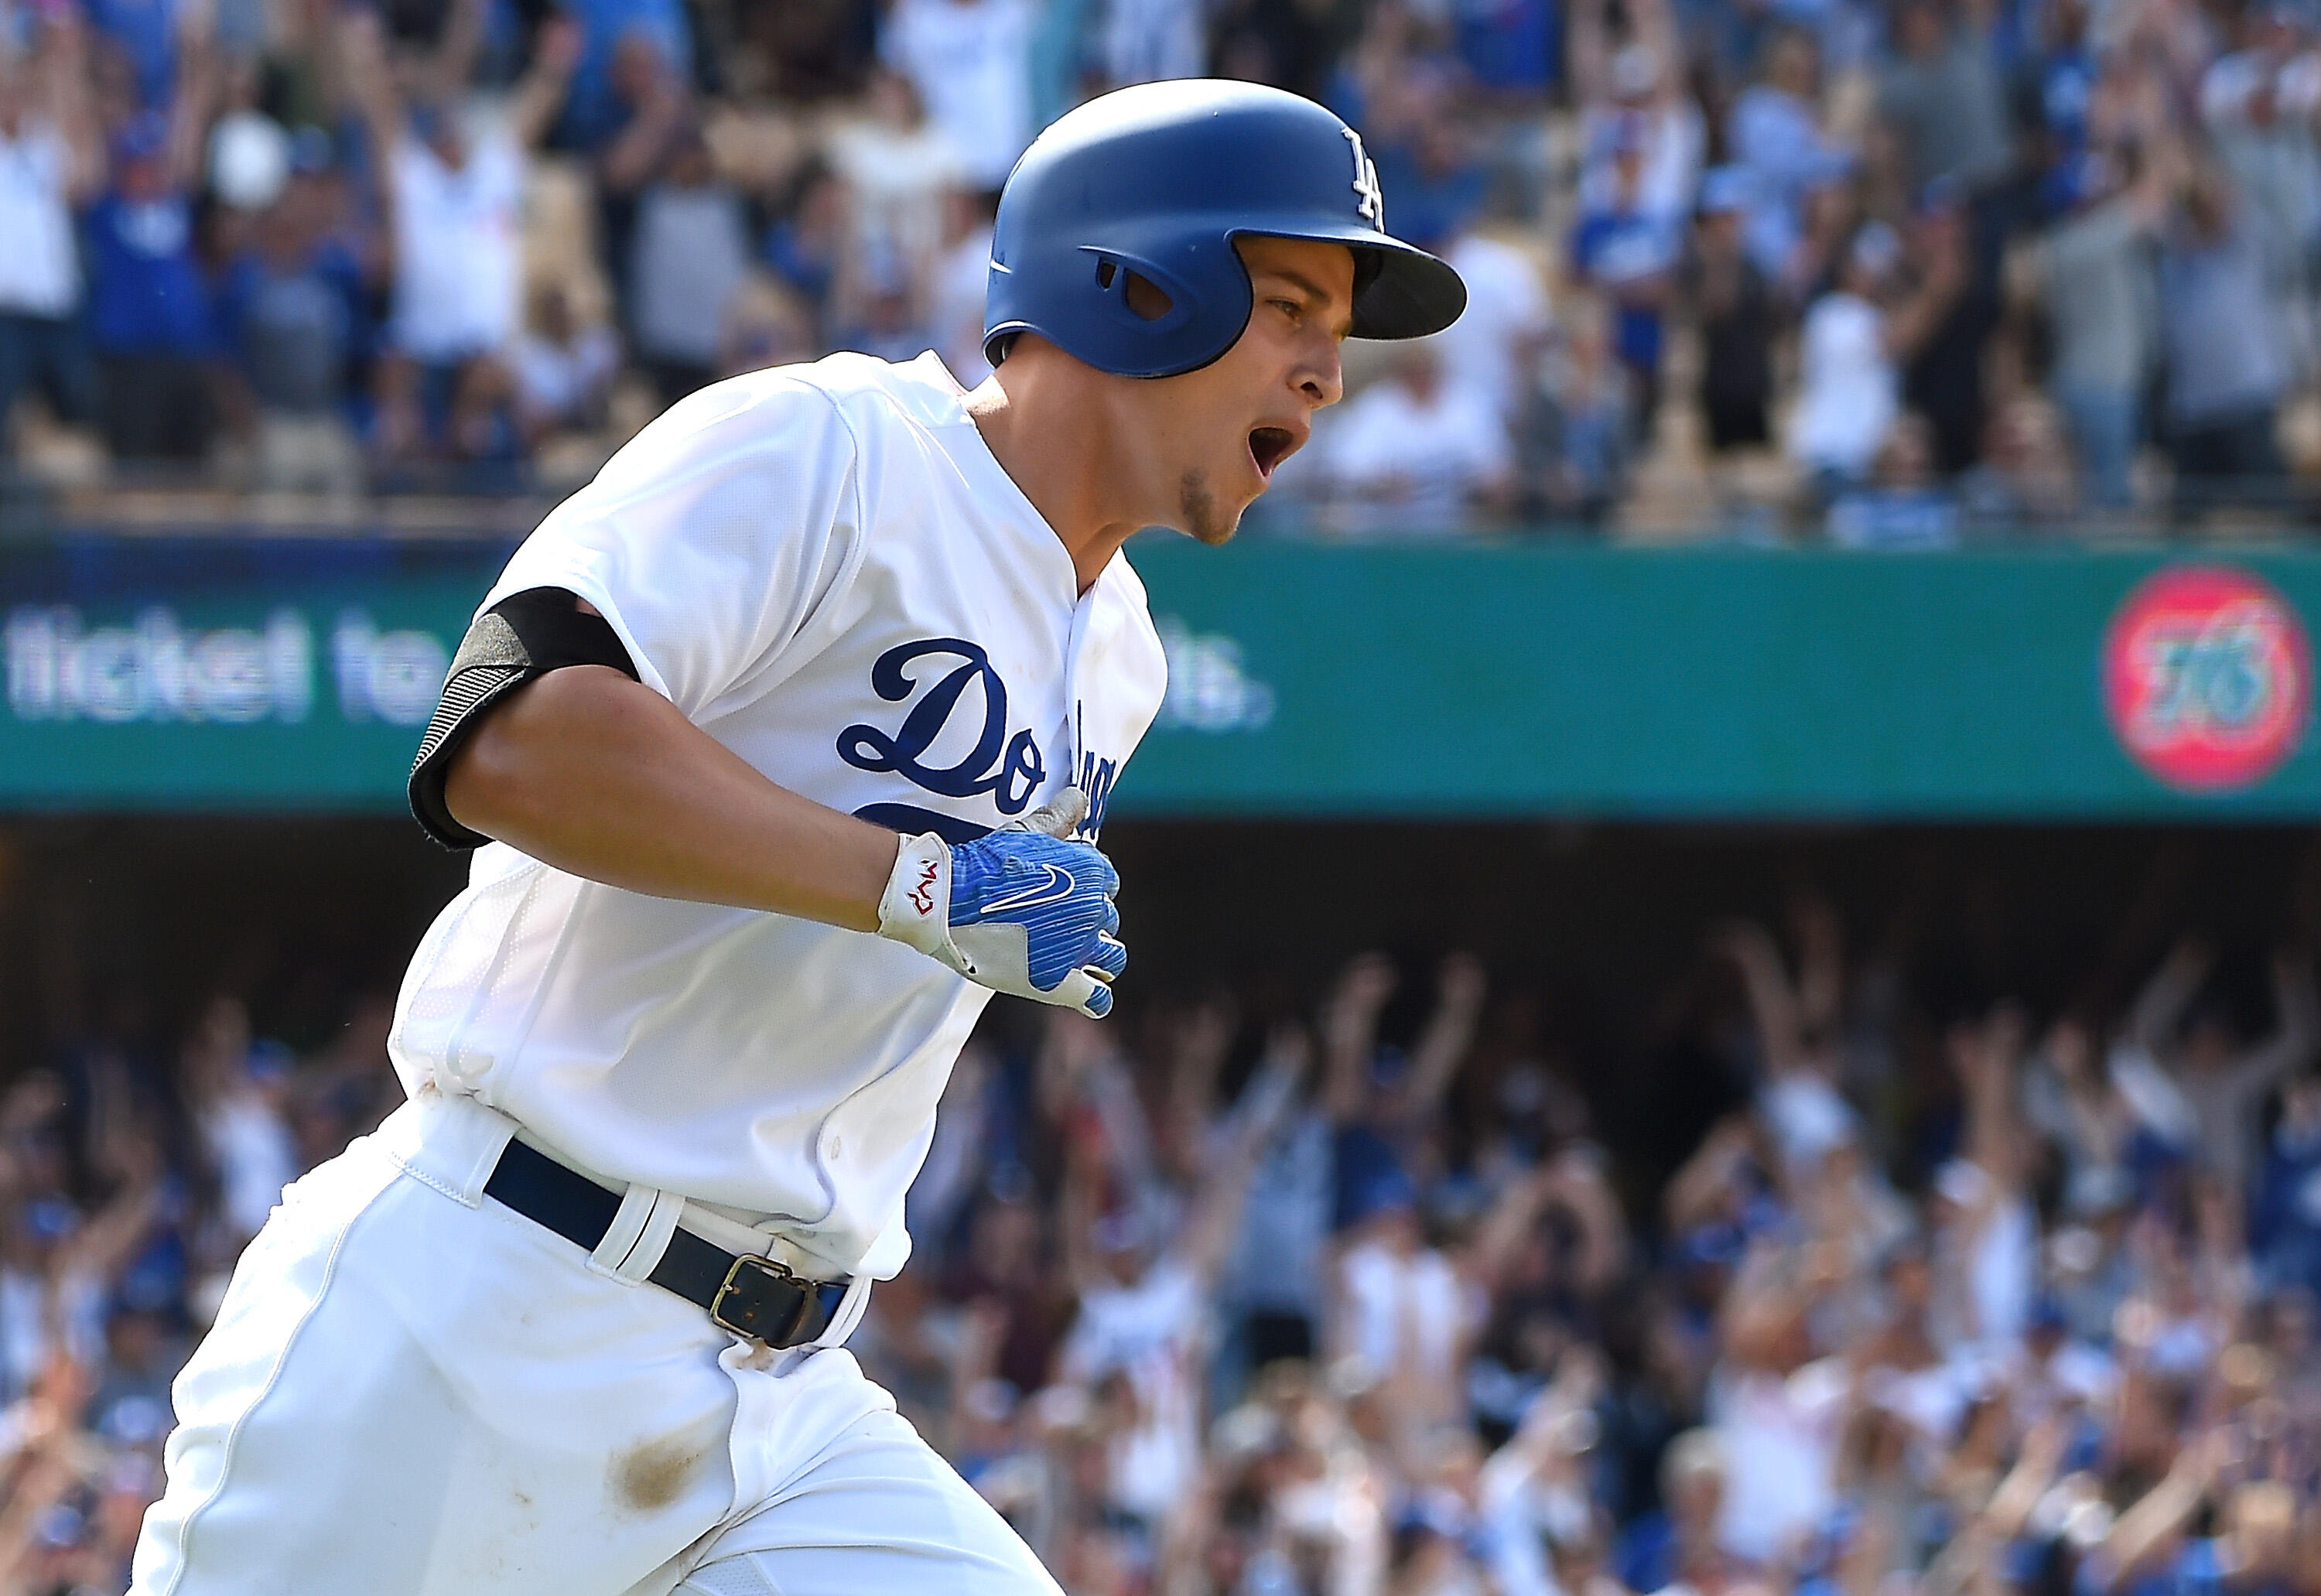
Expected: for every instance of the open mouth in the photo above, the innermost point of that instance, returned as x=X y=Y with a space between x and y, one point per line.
x=1269 y=446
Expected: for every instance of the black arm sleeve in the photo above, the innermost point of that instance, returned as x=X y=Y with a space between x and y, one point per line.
x=525 y=636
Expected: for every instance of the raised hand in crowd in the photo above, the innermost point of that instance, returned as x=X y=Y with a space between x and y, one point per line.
x=1200 y=1034
x=1443 y=1045
x=1349 y=1031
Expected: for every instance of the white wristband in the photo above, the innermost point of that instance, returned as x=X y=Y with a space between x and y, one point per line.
x=915 y=908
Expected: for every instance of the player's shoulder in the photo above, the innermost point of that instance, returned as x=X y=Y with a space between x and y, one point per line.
x=832 y=412
x=876 y=394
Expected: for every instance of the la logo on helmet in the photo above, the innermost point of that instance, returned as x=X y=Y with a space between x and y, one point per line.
x=1372 y=206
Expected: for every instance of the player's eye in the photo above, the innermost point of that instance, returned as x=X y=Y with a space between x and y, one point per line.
x=1288 y=307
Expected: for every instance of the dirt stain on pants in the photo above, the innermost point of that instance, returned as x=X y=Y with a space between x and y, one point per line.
x=654 y=1474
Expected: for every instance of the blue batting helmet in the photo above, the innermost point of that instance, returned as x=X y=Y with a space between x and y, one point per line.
x=1159 y=180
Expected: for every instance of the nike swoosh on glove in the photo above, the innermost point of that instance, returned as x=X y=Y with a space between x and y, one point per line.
x=1021 y=910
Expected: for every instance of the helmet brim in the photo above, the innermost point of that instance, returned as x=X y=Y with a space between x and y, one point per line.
x=1401 y=291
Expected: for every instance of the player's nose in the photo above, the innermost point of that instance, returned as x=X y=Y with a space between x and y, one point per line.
x=1321 y=378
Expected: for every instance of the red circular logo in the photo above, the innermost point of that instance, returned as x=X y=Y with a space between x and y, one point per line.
x=2207 y=677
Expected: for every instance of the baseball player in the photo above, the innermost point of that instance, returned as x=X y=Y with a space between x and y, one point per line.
x=783 y=745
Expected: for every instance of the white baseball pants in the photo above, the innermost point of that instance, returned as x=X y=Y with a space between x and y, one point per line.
x=413 y=1391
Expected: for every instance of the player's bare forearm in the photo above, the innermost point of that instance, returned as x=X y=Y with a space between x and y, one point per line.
x=591 y=772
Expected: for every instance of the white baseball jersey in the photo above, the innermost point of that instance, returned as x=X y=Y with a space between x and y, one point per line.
x=825 y=568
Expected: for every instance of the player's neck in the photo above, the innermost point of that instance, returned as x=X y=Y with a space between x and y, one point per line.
x=1058 y=453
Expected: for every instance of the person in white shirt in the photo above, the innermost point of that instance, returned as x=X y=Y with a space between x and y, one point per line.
x=1779 y=1415
x=453 y=194
x=900 y=170
x=1145 y=1308
x=1416 y=453
x=1851 y=352
x=1401 y=1307
x=563 y=369
x=970 y=61
x=1146 y=40
x=52 y=161
x=1507 y=320
x=1640 y=87
x=237 y=1104
x=783 y=745
x=955 y=287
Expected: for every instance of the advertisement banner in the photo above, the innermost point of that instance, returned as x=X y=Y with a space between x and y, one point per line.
x=227 y=674
x=258 y=674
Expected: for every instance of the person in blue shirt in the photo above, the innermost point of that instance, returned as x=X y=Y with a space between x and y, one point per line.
x=1631 y=253
x=2284 y=1221
x=803 y=245
x=291 y=317
x=1676 y=1542
x=146 y=32
x=149 y=306
x=597 y=106
x=652 y=114
x=1774 y=135
x=1510 y=47
x=2064 y=74
x=52 y=162
x=1424 y=161
x=1901 y=506
x=2152 y=1550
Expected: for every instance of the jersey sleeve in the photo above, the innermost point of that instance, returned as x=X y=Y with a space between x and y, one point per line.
x=713 y=539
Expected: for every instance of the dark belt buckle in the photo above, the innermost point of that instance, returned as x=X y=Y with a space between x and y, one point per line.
x=746 y=1325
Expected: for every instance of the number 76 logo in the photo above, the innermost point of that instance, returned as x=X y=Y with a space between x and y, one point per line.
x=2207 y=677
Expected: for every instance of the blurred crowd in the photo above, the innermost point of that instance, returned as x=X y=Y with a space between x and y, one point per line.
x=1892 y=272
x=1350 y=1293
x=129 y=1185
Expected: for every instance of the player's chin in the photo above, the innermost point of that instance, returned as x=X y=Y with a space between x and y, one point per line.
x=1223 y=515
x=1216 y=533
x=1209 y=505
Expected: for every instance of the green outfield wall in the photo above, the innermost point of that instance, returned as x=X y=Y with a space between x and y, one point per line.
x=282 y=673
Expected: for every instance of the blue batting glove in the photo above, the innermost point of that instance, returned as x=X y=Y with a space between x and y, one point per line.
x=1021 y=910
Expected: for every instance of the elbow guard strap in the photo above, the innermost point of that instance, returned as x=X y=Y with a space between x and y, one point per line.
x=525 y=636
